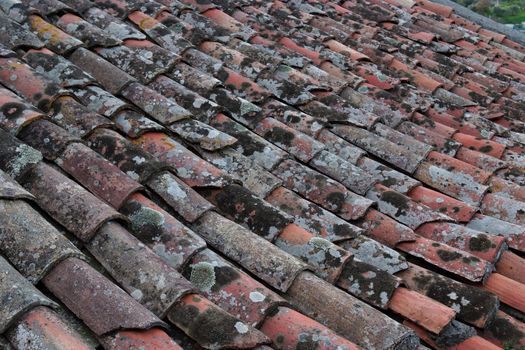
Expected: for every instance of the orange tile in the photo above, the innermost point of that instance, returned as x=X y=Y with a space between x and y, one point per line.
x=479 y=144
x=442 y=203
x=420 y=309
x=290 y=330
x=472 y=343
x=512 y=265
x=42 y=328
x=139 y=340
x=508 y=290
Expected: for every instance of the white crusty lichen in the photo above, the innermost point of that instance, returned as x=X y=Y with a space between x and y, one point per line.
x=25 y=155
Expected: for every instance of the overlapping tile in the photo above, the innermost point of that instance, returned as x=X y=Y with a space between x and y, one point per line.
x=341 y=138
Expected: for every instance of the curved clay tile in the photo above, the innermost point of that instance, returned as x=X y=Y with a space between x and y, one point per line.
x=41 y=327
x=221 y=282
x=324 y=302
x=368 y=283
x=295 y=142
x=181 y=197
x=10 y=189
x=106 y=74
x=16 y=113
x=153 y=338
x=245 y=170
x=194 y=171
x=142 y=273
x=223 y=331
x=249 y=250
x=17 y=158
x=138 y=66
x=311 y=217
x=322 y=190
x=97 y=174
x=442 y=203
x=289 y=329
x=327 y=259
x=67 y=202
x=48 y=138
x=18 y=296
x=27 y=82
x=102 y=305
x=30 y=242
x=53 y=37
x=160 y=231
x=473 y=305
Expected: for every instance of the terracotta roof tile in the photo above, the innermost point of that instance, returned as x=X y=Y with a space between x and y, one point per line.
x=53 y=37
x=290 y=329
x=24 y=229
x=252 y=301
x=225 y=331
x=103 y=306
x=344 y=138
x=45 y=328
x=143 y=274
x=153 y=338
x=18 y=295
x=313 y=296
x=235 y=241
x=67 y=202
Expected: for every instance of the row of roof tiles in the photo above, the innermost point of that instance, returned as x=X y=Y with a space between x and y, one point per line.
x=349 y=160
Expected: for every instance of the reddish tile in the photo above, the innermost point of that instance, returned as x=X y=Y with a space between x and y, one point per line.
x=312 y=217
x=322 y=190
x=484 y=246
x=222 y=330
x=289 y=329
x=103 y=306
x=194 y=171
x=448 y=258
x=67 y=202
x=503 y=208
x=153 y=338
x=54 y=38
x=252 y=252
x=98 y=175
x=511 y=265
x=15 y=114
x=402 y=208
x=478 y=311
x=473 y=342
x=481 y=160
x=43 y=328
x=442 y=203
x=417 y=308
x=325 y=257
x=455 y=184
x=385 y=230
x=300 y=145
x=508 y=290
x=362 y=324
x=28 y=83
x=505 y=331
x=252 y=301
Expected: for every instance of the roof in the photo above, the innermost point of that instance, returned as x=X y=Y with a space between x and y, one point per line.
x=259 y=174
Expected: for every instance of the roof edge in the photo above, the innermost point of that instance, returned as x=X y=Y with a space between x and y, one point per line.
x=483 y=21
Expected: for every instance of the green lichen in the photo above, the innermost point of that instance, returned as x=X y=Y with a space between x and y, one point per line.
x=203 y=276
x=145 y=216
